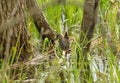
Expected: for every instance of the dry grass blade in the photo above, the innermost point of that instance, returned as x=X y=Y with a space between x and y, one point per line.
x=26 y=81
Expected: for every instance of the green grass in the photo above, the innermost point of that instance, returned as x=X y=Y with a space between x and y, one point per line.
x=51 y=70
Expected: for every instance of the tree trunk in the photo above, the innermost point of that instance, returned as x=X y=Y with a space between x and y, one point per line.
x=14 y=36
x=88 y=24
x=40 y=21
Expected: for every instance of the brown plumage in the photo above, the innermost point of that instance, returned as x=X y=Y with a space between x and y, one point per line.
x=64 y=42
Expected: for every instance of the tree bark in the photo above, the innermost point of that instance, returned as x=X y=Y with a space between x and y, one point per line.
x=90 y=14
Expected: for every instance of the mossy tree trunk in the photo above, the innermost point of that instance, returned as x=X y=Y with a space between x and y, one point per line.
x=90 y=14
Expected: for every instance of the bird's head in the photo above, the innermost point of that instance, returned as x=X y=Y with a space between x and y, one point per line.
x=64 y=41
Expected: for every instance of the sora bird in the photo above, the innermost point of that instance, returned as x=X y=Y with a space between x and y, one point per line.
x=64 y=42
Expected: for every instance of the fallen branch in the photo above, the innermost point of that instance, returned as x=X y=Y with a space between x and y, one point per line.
x=35 y=61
